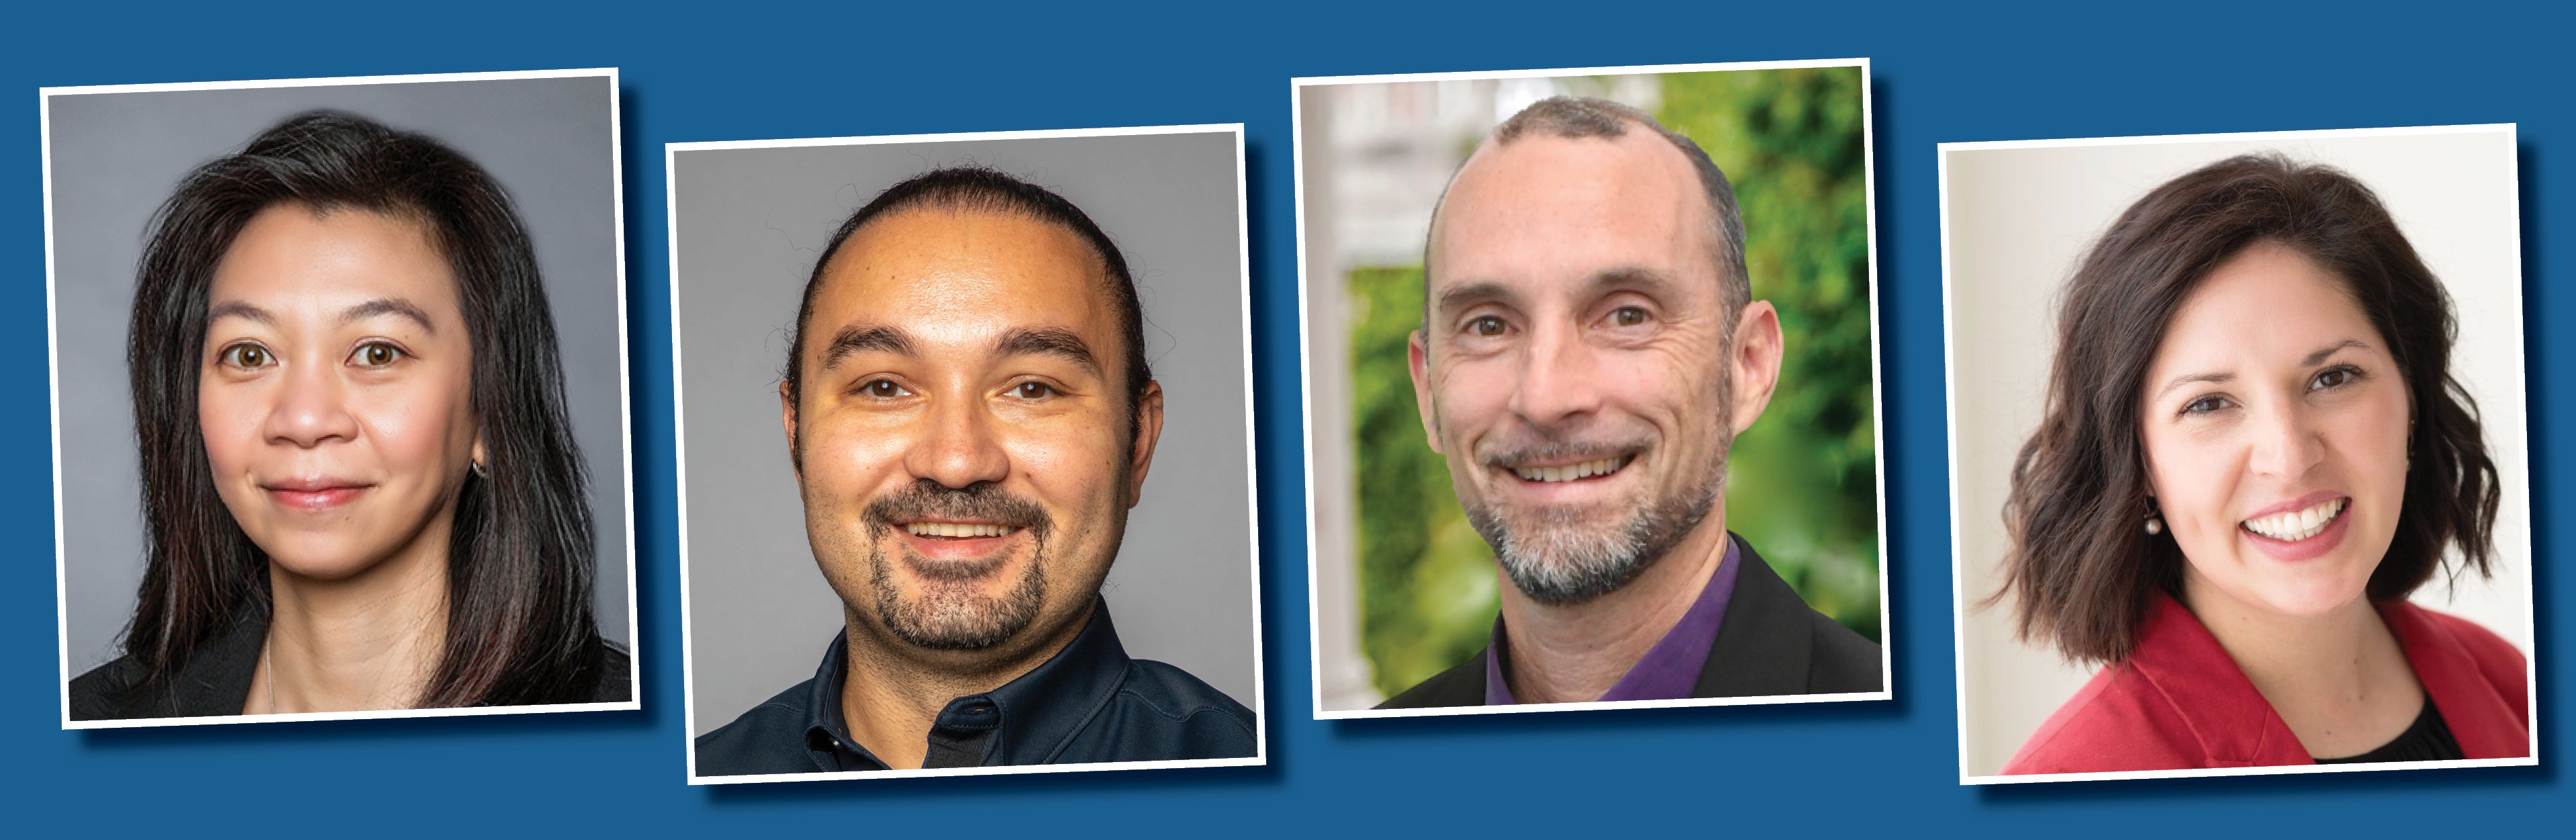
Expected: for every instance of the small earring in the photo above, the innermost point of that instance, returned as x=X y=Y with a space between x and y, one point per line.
x=2155 y=521
x=479 y=470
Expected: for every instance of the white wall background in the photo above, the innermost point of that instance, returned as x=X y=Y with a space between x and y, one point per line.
x=2015 y=223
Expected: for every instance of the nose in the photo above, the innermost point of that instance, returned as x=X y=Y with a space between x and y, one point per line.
x=1559 y=376
x=2286 y=443
x=311 y=408
x=959 y=445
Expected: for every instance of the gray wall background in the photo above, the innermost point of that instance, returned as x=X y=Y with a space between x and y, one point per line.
x=117 y=156
x=747 y=226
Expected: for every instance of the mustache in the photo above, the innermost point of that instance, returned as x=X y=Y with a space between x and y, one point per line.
x=982 y=502
x=1506 y=454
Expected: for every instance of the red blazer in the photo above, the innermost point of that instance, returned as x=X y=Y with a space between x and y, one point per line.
x=2179 y=702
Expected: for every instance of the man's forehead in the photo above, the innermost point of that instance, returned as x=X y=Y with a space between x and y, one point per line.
x=962 y=278
x=1571 y=208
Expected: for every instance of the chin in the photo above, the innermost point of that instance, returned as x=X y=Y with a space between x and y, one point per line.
x=321 y=559
x=2309 y=598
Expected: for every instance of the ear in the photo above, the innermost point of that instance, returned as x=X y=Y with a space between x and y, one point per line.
x=1417 y=358
x=1149 y=430
x=1755 y=362
x=787 y=418
x=480 y=456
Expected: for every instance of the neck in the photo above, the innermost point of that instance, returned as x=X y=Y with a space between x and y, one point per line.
x=892 y=690
x=1574 y=653
x=369 y=641
x=2340 y=679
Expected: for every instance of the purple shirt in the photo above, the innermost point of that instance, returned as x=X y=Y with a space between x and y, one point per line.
x=1669 y=669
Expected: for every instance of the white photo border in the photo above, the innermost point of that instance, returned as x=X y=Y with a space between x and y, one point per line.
x=1251 y=455
x=625 y=405
x=1305 y=345
x=1950 y=378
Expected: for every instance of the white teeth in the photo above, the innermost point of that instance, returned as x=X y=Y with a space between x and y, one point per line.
x=953 y=529
x=1586 y=469
x=2297 y=525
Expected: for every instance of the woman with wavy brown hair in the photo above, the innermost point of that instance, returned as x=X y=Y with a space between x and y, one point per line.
x=2252 y=451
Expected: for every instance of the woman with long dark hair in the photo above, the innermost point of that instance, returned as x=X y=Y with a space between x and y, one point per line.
x=359 y=481
x=2253 y=449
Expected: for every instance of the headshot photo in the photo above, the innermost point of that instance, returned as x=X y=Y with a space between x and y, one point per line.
x=1591 y=380
x=2239 y=465
x=339 y=404
x=965 y=454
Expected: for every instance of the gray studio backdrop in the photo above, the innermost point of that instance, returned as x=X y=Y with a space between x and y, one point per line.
x=117 y=156
x=746 y=227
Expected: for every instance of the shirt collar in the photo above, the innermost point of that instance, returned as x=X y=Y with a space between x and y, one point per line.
x=1668 y=671
x=1029 y=720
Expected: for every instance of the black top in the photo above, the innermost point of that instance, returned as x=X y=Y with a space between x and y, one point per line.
x=1770 y=643
x=217 y=677
x=2428 y=739
x=1088 y=703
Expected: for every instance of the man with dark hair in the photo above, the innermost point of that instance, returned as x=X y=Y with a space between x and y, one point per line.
x=1589 y=351
x=969 y=412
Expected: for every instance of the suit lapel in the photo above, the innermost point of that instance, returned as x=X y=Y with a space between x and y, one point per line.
x=2479 y=718
x=2234 y=725
x=1765 y=639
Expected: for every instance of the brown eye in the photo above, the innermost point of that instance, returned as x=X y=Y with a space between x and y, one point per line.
x=1486 y=327
x=884 y=389
x=1032 y=390
x=376 y=355
x=1627 y=316
x=244 y=356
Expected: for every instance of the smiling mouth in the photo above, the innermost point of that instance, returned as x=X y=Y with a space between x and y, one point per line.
x=314 y=495
x=1574 y=472
x=2297 y=525
x=958 y=530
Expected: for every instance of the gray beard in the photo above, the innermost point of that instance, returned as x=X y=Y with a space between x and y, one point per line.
x=1557 y=559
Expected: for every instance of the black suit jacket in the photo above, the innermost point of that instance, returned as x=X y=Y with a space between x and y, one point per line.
x=216 y=680
x=1769 y=644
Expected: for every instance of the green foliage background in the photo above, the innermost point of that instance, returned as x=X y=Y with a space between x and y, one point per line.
x=1802 y=483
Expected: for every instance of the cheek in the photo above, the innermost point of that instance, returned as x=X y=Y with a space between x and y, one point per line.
x=1071 y=466
x=851 y=459
x=1472 y=391
x=228 y=420
x=2377 y=440
x=2192 y=479
x=425 y=426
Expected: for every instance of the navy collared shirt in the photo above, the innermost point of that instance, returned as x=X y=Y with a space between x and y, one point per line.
x=1088 y=703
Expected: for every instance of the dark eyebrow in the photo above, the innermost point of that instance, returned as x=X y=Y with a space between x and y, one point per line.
x=2179 y=381
x=387 y=306
x=239 y=309
x=1463 y=294
x=2313 y=359
x=1048 y=341
x=2310 y=360
x=1632 y=277
x=1624 y=276
x=853 y=340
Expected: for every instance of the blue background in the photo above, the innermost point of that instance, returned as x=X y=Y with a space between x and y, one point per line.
x=723 y=71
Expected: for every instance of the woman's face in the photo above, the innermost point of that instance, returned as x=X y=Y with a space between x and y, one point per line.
x=2275 y=423
x=334 y=389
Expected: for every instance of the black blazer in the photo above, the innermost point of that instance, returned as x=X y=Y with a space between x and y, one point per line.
x=1770 y=643
x=216 y=679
